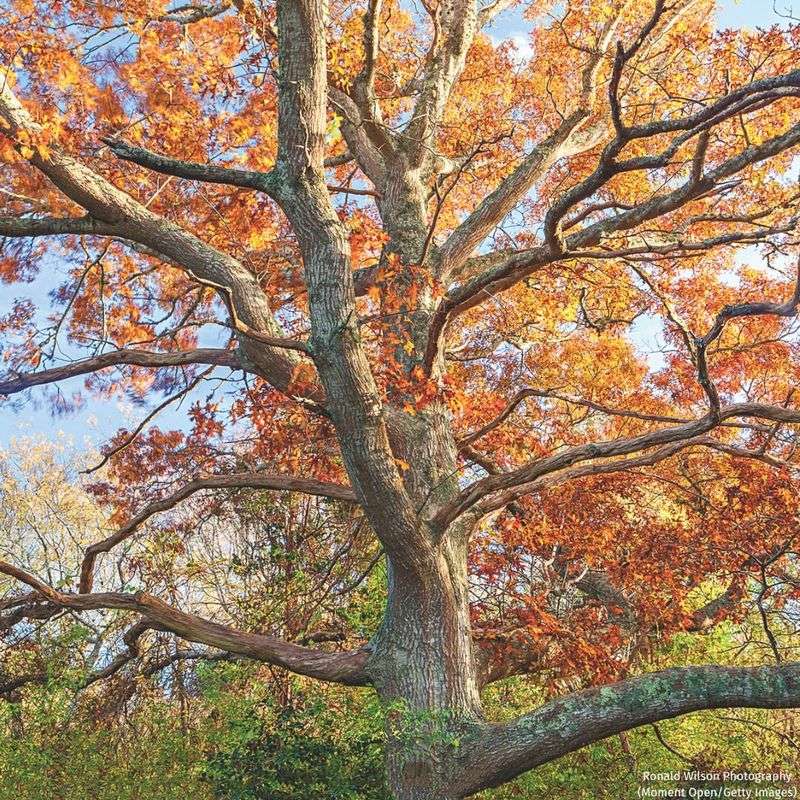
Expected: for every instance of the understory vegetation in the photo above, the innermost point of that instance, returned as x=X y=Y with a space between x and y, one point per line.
x=236 y=731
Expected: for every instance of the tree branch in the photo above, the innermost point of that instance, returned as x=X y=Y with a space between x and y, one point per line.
x=523 y=394
x=194 y=12
x=568 y=139
x=207 y=173
x=363 y=91
x=369 y=155
x=515 y=483
x=14 y=227
x=495 y=207
x=518 y=265
x=238 y=287
x=345 y=667
x=338 y=349
x=15 y=382
x=501 y=752
x=456 y=24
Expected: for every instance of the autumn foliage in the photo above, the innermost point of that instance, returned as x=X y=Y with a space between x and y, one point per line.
x=541 y=305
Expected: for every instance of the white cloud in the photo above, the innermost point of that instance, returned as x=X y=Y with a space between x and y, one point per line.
x=523 y=47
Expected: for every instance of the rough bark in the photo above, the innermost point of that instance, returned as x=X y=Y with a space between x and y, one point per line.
x=497 y=753
x=423 y=665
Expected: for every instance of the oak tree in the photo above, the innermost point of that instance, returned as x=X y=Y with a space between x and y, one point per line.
x=418 y=270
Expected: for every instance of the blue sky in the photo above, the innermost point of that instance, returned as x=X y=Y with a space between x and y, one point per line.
x=98 y=420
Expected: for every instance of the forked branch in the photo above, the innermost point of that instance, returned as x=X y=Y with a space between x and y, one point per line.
x=506 y=486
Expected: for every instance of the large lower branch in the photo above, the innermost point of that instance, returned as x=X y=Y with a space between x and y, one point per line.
x=344 y=667
x=501 y=752
x=648 y=459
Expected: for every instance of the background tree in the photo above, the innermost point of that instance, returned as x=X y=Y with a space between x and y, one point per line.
x=450 y=346
x=85 y=708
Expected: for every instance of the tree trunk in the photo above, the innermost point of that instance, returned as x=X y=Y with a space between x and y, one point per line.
x=423 y=668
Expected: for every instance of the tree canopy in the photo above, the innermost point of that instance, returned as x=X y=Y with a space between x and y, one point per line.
x=518 y=324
